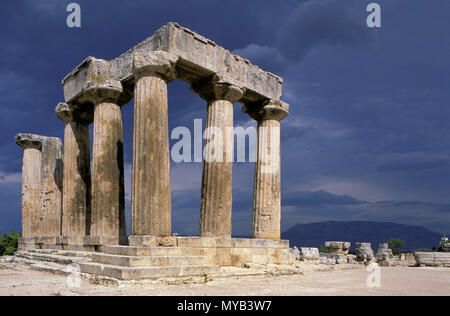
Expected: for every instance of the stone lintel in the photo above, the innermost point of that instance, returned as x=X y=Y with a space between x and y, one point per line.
x=267 y=110
x=197 y=58
x=158 y=63
x=74 y=113
x=91 y=83
x=29 y=140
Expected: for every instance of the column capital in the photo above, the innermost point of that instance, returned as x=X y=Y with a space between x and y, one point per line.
x=267 y=110
x=107 y=90
x=68 y=113
x=156 y=63
x=29 y=141
x=218 y=88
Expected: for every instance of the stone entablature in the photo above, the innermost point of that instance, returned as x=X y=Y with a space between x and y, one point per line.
x=197 y=58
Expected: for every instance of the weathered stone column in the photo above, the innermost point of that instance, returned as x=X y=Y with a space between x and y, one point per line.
x=51 y=186
x=31 y=183
x=108 y=193
x=76 y=206
x=267 y=183
x=151 y=195
x=216 y=197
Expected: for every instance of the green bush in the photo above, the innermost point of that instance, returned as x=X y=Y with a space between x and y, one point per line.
x=423 y=250
x=396 y=245
x=8 y=243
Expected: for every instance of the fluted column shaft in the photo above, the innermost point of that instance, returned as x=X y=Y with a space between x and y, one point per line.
x=76 y=210
x=108 y=198
x=51 y=187
x=266 y=223
x=266 y=190
x=216 y=195
x=31 y=183
x=31 y=192
x=151 y=191
x=151 y=196
x=76 y=216
x=108 y=191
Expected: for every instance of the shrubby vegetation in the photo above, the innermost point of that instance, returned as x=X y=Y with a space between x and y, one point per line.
x=8 y=243
x=423 y=250
x=396 y=246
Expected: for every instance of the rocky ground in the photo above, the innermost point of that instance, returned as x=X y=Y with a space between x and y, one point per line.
x=314 y=280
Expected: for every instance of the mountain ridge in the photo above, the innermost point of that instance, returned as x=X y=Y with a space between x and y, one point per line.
x=315 y=234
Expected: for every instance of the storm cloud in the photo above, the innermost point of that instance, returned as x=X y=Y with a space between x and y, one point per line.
x=367 y=137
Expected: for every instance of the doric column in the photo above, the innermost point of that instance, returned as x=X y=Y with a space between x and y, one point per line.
x=76 y=206
x=31 y=183
x=151 y=196
x=216 y=197
x=51 y=186
x=108 y=193
x=267 y=190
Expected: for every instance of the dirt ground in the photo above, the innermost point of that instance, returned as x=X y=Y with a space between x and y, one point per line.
x=394 y=281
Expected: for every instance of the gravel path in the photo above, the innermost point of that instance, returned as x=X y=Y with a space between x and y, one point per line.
x=394 y=281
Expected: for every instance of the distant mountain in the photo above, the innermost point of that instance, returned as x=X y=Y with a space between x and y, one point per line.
x=314 y=235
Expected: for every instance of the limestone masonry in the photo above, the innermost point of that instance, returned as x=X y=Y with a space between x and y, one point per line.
x=70 y=203
x=73 y=207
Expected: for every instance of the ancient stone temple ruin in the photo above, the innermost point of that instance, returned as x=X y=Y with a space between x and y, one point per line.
x=74 y=207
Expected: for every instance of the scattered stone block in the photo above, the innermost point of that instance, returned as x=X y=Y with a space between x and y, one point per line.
x=351 y=259
x=445 y=245
x=309 y=253
x=337 y=247
x=323 y=260
x=331 y=262
x=433 y=259
x=338 y=258
x=6 y=259
x=384 y=256
x=364 y=252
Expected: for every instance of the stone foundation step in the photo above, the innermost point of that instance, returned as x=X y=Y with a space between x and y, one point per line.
x=65 y=253
x=63 y=260
x=138 y=261
x=48 y=267
x=149 y=273
x=153 y=251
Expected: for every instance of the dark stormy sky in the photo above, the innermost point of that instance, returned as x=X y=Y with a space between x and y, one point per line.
x=368 y=136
